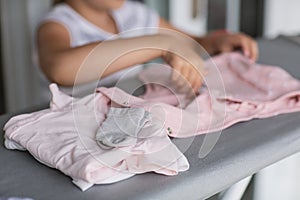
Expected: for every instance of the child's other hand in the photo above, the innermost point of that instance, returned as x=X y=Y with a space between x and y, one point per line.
x=227 y=42
x=187 y=74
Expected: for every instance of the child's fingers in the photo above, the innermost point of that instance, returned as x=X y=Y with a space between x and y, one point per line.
x=246 y=48
x=175 y=76
x=195 y=80
x=185 y=77
x=254 y=50
x=249 y=47
x=178 y=81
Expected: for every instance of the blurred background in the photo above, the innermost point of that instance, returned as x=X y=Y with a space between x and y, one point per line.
x=19 y=86
x=19 y=79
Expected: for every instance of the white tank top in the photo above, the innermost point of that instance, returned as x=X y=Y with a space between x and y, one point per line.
x=132 y=15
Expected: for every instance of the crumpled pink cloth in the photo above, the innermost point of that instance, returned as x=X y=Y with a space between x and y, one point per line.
x=249 y=91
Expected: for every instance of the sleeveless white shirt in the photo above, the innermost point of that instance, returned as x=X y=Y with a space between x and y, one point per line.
x=131 y=16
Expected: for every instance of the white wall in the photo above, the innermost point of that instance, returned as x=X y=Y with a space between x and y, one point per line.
x=281 y=17
x=181 y=16
x=18 y=22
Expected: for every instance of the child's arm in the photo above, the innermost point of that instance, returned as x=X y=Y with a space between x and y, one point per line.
x=61 y=63
x=222 y=42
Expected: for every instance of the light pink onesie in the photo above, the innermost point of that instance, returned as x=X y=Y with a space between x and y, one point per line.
x=64 y=137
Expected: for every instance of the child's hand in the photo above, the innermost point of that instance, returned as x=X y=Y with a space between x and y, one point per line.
x=226 y=42
x=187 y=75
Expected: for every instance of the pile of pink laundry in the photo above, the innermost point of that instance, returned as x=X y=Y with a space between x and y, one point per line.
x=64 y=136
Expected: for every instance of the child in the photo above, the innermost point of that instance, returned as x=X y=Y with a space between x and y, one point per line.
x=75 y=27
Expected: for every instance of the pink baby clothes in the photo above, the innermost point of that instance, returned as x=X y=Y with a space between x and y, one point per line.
x=251 y=91
x=63 y=137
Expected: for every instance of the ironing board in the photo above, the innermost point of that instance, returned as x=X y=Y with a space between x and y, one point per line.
x=241 y=151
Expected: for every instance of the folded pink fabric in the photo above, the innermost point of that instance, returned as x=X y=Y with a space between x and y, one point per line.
x=64 y=137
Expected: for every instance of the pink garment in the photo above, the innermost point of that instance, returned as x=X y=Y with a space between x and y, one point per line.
x=63 y=137
x=251 y=91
